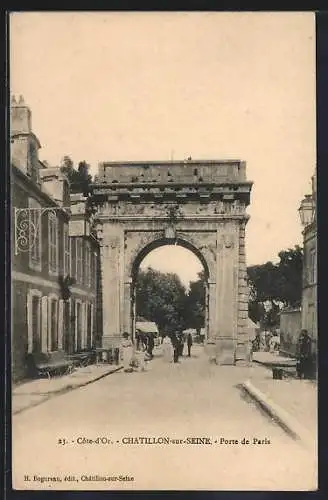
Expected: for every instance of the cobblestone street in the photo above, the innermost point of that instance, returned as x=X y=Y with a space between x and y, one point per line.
x=178 y=401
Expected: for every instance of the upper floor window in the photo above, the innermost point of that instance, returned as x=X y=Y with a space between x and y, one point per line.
x=87 y=264
x=93 y=268
x=66 y=251
x=35 y=229
x=72 y=257
x=53 y=243
x=79 y=260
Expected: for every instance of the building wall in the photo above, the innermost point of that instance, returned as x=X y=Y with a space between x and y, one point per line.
x=309 y=295
x=290 y=327
x=42 y=321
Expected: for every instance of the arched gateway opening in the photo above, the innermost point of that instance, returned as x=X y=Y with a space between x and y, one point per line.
x=191 y=255
x=200 y=205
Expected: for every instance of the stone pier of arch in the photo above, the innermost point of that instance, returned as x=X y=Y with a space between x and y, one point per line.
x=197 y=204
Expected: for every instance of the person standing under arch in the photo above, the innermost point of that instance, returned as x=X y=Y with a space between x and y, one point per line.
x=167 y=348
x=126 y=349
x=189 y=344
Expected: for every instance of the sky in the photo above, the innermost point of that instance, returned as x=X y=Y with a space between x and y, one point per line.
x=113 y=86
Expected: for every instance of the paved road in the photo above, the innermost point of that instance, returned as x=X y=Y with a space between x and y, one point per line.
x=191 y=399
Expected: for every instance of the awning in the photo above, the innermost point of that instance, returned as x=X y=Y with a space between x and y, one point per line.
x=147 y=327
x=193 y=331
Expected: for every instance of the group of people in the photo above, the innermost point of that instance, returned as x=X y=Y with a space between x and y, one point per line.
x=173 y=346
x=268 y=341
x=136 y=356
x=145 y=342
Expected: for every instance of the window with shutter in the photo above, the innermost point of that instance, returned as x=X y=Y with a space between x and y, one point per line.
x=87 y=261
x=52 y=323
x=35 y=239
x=79 y=260
x=60 y=324
x=78 y=325
x=34 y=321
x=66 y=251
x=53 y=243
x=44 y=324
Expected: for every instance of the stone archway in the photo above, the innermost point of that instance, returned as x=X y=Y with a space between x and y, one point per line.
x=135 y=265
x=202 y=204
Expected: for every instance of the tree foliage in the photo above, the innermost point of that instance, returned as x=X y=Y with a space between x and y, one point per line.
x=279 y=285
x=195 y=303
x=80 y=179
x=161 y=298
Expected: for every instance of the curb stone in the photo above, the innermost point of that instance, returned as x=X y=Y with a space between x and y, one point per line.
x=65 y=389
x=281 y=416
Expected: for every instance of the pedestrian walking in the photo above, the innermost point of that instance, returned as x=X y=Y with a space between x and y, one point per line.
x=304 y=362
x=150 y=345
x=189 y=344
x=126 y=349
x=176 y=348
x=256 y=343
x=138 y=340
x=180 y=344
x=167 y=349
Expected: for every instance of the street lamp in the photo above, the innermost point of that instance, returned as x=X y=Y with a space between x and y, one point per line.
x=306 y=210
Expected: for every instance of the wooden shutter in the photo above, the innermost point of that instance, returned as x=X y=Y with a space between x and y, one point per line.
x=29 y=322
x=84 y=325
x=91 y=325
x=76 y=325
x=44 y=324
x=60 y=324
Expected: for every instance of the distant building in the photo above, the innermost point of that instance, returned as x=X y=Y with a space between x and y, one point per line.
x=55 y=254
x=309 y=293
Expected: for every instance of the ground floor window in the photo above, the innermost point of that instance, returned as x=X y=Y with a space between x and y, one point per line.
x=34 y=321
x=89 y=325
x=78 y=323
x=36 y=324
x=82 y=336
x=53 y=324
x=67 y=341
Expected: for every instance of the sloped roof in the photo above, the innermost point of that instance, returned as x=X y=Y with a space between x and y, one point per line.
x=146 y=326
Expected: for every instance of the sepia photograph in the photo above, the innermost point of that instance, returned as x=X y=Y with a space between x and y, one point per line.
x=163 y=251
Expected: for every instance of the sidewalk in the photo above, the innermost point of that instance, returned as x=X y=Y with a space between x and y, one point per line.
x=35 y=392
x=293 y=403
x=297 y=397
